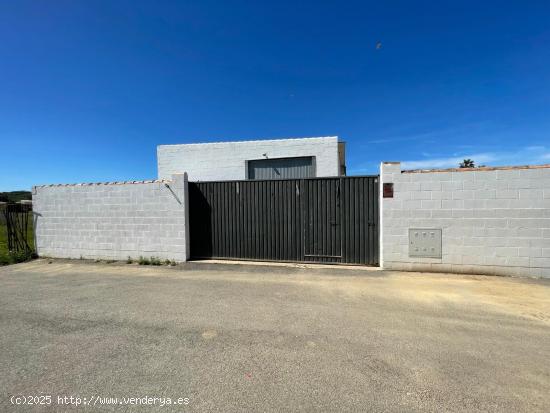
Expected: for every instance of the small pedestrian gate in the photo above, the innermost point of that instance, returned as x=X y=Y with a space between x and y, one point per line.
x=329 y=220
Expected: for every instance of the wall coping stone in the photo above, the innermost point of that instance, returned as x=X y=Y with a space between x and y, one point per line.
x=151 y=181
x=481 y=168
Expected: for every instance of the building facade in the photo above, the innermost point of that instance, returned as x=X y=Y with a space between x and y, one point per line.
x=261 y=159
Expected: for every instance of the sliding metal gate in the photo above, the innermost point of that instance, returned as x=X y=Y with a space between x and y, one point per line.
x=330 y=220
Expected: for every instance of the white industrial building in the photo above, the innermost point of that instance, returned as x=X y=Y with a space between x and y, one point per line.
x=488 y=220
x=259 y=159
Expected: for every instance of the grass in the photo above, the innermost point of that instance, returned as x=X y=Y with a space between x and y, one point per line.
x=16 y=257
x=3 y=237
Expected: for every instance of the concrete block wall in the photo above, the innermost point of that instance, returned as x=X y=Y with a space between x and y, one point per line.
x=493 y=220
x=227 y=160
x=113 y=220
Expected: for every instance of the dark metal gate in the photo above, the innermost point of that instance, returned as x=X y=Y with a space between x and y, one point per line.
x=329 y=220
x=18 y=218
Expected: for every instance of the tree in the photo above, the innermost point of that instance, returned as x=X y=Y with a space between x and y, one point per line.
x=467 y=163
x=14 y=196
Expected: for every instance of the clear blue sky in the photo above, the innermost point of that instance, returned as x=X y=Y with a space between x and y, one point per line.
x=88 y=89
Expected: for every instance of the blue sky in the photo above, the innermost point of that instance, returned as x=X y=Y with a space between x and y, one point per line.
x=90 y=88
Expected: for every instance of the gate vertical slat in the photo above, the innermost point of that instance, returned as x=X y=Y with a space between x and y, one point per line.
x=327 y=244
x=292 y=195
x=220 y=229
x=352 y=213
x=268 y=222
x=284 y=212
x=280 y=222
x=213 y=218
x=244 y=207
x=336 y=246
x=265 y=218
x=219 y=218
x=238 y=221
x=358 y=217
x=337 y=219
x=228 y=221
x=308 y=205
x=234 y=211
x=363 y=219
x=368 y=192
x=288 y=224
x=224 y=225
x=317 y=199
x=372 y=221
x=321 y=218
x=303 y=217
x=345 y=214
x=329 y=237
x=349 y=217
x=274 y=220
x=319 y=233
x=236 y=226
x=230 y=218
x=255 y=238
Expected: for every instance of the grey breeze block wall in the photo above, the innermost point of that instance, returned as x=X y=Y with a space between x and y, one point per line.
x=113 y=220
x=493 y=220
x=227 y=160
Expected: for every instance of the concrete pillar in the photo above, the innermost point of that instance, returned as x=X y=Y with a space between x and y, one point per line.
x=180 y=186
x=388 y=171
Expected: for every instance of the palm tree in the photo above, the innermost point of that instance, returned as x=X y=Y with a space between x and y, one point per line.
x=467 y=163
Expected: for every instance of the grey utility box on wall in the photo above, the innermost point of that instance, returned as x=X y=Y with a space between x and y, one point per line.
x=425 y=242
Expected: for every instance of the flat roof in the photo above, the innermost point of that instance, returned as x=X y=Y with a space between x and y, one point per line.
x=252 y=140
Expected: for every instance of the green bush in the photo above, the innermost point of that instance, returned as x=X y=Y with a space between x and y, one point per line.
x=144 y=261
x=152 y=261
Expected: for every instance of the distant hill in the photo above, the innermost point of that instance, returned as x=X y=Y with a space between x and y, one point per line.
x=15 y=196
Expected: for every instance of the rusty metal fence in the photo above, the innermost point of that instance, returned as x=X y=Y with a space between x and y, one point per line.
x=17 y=220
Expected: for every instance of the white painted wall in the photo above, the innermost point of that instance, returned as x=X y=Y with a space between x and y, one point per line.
x=227 y=160
x=494 y=221
x=114 y=220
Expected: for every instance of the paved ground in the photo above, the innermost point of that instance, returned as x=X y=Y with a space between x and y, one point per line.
x=273 y=341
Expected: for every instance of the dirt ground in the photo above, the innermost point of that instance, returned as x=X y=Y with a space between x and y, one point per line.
x=234 y=338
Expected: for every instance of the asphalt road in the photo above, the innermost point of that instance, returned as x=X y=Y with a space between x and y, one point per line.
x=268 y=340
